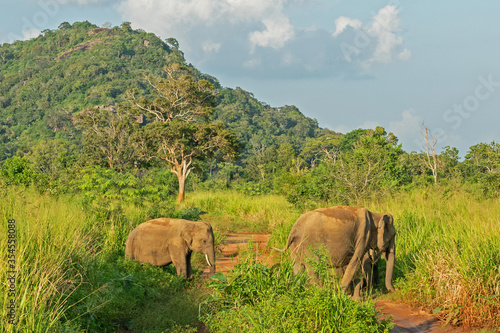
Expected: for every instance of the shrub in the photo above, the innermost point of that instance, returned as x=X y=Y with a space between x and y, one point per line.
x=289 y=303
x=20 y=171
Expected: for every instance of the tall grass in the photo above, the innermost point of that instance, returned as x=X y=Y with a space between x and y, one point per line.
x=49 y=245
x=448 y=253
x=71 y=275
x=235 y=211
x=257 y=298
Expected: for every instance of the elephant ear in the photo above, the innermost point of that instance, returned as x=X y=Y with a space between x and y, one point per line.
x=187 y=234
x=390 y=233
x=385 y=222
x=385 y=231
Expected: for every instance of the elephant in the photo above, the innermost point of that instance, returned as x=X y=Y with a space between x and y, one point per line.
x=163 y=241
x=352 y=237
x=369 y=272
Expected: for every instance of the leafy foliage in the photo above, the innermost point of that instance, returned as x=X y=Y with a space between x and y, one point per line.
x=107 y=136
x=20 y=171
x=179 y=134
x=47 y=79
x=178 y=96
x=289 y=302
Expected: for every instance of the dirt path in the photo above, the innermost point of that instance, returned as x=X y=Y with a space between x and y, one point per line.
x=406 y=318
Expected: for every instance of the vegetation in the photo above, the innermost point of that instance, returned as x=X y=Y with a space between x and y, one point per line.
x=94 y=143
x=289 y=302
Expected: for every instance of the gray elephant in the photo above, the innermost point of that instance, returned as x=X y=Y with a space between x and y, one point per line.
x=347 y=234
x=163 y=241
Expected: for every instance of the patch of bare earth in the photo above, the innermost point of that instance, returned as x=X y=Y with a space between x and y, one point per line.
x=235 y=244
x=405 y=317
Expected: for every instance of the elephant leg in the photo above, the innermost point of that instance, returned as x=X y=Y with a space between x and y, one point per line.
x=351 y=270
x=180 y=263
x=298 y=268
x=364 y=275
x=189 y=268
x=358 y=287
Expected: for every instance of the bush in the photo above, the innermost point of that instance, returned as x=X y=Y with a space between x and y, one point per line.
x=97 y=183
x=289 y=303
x=20 y=171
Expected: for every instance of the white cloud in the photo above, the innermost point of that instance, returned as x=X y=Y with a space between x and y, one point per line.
x=30 y=33
x=377 y=42
x=258 y=37
x=212 y=23
x=211 y=47
x=278 y=31
x=385 y=25
x=404 y=55
x=342 y=22
x=407 y=129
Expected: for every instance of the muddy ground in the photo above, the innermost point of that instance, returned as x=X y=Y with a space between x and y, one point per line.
x=405 y=317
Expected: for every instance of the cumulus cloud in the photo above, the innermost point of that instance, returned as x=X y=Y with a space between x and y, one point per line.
x=259 y=38
x=30 y=33
x=278 y=31
x=343 y=22
x=377 y=42
x=407 y=129
x=385 y=26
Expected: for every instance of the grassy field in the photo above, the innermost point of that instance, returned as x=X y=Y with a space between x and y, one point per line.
x=448 y=254
x=71 y=276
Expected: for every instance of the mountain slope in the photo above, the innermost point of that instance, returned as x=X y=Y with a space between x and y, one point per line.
x=45 y=80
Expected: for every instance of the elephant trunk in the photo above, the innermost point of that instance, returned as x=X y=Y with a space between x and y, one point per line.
x=390 y=256
x=380 y=239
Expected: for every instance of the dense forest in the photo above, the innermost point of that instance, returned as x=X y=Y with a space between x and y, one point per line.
x=102 y=128
x=46 y=81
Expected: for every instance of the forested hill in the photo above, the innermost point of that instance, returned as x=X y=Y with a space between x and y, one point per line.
x=46 y=80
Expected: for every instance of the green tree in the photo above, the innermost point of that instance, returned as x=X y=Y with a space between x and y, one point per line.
x=323 y=148
x=20 y=171
x=449 y=161
x=180 y=133
x=50 y=157
x=348 y=140
x=177 y=96
x=485 y=157
x=373 y=166
x=107 y=133
x=180 y=144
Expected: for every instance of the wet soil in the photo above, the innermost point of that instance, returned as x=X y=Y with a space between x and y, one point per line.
x=405 y=317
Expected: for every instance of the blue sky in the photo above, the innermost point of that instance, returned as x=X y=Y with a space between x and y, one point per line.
x=348 y=64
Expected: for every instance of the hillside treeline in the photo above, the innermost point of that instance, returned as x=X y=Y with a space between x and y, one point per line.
x=47 y=83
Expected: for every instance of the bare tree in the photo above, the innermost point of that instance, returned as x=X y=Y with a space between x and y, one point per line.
x=430 y=150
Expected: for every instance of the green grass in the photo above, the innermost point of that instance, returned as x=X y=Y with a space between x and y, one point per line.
x=237 y=212
x=50 y=245
x=257 y=298
x=448 y=257
x=71 y=276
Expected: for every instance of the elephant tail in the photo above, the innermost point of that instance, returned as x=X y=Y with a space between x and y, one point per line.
x=288 y=242
x=281 y=250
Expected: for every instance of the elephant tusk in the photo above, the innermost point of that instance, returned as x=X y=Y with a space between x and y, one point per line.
x=206 y=257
